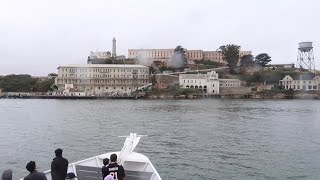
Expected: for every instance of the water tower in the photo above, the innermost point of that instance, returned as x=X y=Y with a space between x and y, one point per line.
x=305 y=56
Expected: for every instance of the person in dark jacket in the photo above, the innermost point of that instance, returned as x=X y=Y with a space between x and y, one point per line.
x=104 y=169
x=7 y=174
x=59 y=166
x=34 y=174
x=115 y=169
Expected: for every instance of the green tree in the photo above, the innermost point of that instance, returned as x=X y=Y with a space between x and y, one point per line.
x=25 y=83
x=179 y=58
x=263 y=59
x=44 y=86
x=230 y=54
x=17 y=83
x=247 y=61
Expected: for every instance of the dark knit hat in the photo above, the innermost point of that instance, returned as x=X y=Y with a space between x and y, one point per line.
x=31 y=166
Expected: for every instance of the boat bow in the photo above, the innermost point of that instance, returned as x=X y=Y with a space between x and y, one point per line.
x=130 y=143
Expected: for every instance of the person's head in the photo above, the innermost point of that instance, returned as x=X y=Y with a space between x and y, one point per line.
x=113 y=158
x=7 y=174
x=105 y=161
x=31 y=166
x=109 y=177
x=58 y=152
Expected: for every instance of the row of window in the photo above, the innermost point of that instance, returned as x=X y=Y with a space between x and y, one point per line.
x=212 y=54
x=194 y=54
x=200 y=87
x=151 y=54
x=105 y=88
x=76 y=81
x=229 y=82
x=102 y=70
x=229 y=85
x=219 y=58
x=102 y=76
x=191 y=81
x=295 y=82
x=304 y=87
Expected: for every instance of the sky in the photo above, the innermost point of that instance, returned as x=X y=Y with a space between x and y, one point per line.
x=36 y=36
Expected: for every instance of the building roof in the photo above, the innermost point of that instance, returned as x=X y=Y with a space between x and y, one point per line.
x=303 y=77
x=193 y=76
x=102 y=66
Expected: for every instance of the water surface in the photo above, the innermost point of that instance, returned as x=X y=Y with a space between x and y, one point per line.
x=188 y=139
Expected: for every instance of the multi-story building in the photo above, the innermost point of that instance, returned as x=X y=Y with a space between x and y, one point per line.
x=215 y=56
x=230 y=82
x=148 y=56
x=289 y=83
x=209 y=82
x=99 y=79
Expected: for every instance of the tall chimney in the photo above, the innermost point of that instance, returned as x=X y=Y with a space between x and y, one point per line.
x=114 y=47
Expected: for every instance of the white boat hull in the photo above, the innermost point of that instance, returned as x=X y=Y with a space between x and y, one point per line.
x=131 y=162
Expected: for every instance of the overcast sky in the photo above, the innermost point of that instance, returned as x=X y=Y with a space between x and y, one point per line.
x=38 y=36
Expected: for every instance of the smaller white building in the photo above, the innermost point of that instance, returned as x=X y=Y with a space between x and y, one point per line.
x=289 y=83
x=100 y=55
x=209 y=82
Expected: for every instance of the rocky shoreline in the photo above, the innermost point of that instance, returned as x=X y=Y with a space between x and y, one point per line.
x=249 y=96
x=188 y=96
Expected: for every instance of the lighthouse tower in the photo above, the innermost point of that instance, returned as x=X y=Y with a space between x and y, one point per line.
x=114 y=47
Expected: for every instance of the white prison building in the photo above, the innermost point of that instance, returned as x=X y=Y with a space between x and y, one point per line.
x=101 y=79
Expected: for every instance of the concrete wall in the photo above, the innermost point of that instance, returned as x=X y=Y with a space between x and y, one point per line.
x=235 y=90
